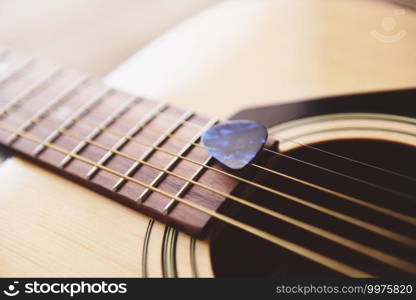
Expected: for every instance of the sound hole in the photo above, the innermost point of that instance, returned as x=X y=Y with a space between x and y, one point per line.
x=236 y=253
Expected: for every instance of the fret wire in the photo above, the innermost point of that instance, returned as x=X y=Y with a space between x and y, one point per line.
x=352 y=199
x=196 y=126
x=394 y=261
x=398 y=193
x=391 y=213
x=394 y=214
x=406 y=196
x=310 y=254
x=45 y=109
x=123 y=140
x=387 y=233
x=20 y=97
x=188 y=114
x=16 y=70
x=357 y=222
x=96 y=131
x=72 y=119
x=187 y=186
x=186 y=123
x=150 y=151
x=374 y=228
x=156 y=181
x=168 y=118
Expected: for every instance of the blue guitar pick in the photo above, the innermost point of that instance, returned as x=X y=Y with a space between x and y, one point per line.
x=235 y=143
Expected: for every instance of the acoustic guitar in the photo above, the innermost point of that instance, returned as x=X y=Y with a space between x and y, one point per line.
x=332 y=193
x=95 y=181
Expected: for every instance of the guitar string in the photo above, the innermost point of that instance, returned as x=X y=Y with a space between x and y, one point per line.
x=398 y=193
x=313 y=165
x=383 y=210
x=366 y=182
x=377 y=186
x=304 y=182
x=310 y=254
x=368 y=251
x=400 y=216
x=196 y=126
x=374 y=185
x=190 y=123
x=405 y=176
x=324 y=189
x=391 y=172
x=391 y=213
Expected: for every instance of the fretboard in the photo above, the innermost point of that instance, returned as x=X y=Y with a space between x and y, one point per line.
x=100 y=137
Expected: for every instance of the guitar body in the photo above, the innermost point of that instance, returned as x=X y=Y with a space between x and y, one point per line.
x=52 y=227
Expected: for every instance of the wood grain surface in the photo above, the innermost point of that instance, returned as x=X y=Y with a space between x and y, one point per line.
x=271 y=51
x=88 y=119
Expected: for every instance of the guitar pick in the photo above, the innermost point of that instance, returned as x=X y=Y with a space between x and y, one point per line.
x=235 y=143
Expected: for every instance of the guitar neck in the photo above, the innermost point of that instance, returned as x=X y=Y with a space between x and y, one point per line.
x=100 y=137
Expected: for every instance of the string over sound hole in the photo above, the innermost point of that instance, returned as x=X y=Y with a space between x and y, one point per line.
x=383 y=194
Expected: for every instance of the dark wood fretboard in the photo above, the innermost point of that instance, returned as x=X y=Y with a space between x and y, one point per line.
x=80 y=114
